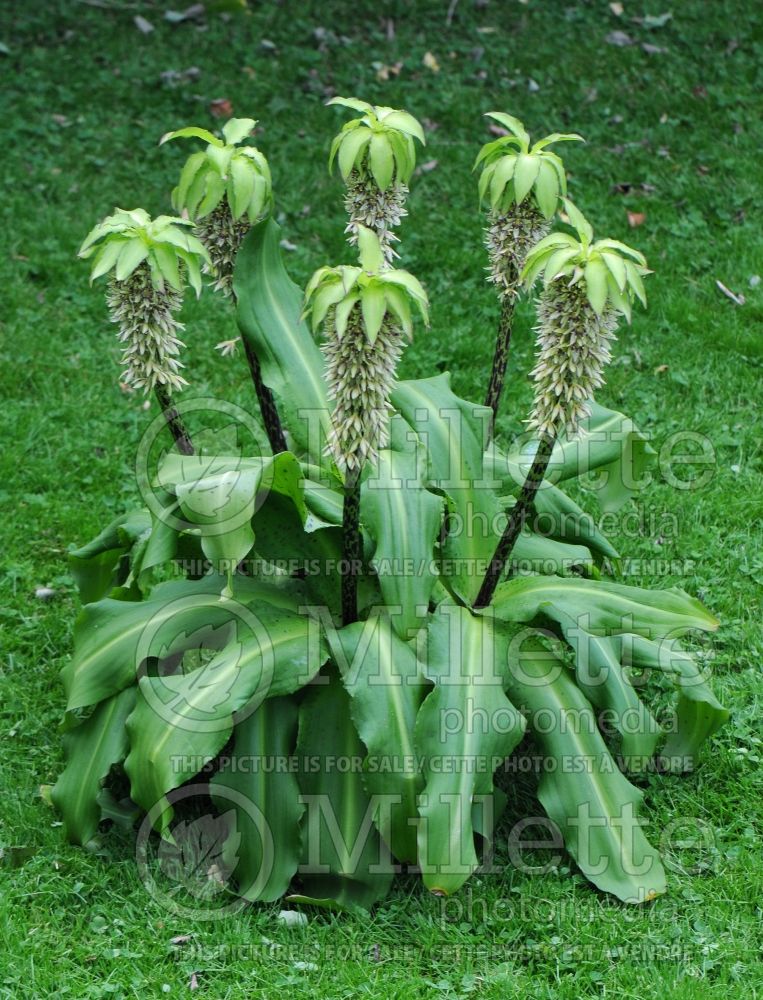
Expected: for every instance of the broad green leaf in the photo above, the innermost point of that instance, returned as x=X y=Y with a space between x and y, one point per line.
x=114 y=639
x=192 y=166
x=344 y=863
x=514 y=125
x=525 y=173
x=464 y=728
x=268 y=312
x=134 y=252
x=107 y=257
x=256 y=783
x=91 y=750
x=369 y=250
x=236 y=130
x=352 y=149
x=382 y=676
x=602 y=608
x=381 y=160
x=593 y=804
x=699 y=714
x=220 y=158
x=373 y=306
x=455 y=433
x=242 y=178
x=578 y=221
x=546 y=188
x=404 y=520
x=556 y=137
x=595 y=273
x=607 y=444
x=96 y=566
x=214 y=192
x=180 y=720
x=191 y=132
x=405 y=123
x=599 y=675
x=167 y=260
x=351 y=102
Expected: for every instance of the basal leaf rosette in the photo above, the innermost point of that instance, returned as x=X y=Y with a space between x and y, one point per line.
x=148 y=262
x=224 y=189
x=366 y=314
x=587 y=285
x=522 y=185
x=376 y=155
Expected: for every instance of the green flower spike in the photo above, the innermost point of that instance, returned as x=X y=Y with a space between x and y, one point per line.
x=365 y=312
x=151 y=262
x=522 y=185
x=224 y=189
x=586 y=286
x=376 y=155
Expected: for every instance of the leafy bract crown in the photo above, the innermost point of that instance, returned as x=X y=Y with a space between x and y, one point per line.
x=224 y=169
x=612 y=272
x=125 y=240
x=512 y=169
x=385 y=135
x=376 y=288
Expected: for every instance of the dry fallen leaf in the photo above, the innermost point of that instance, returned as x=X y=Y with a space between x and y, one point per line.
x=384 y=72
x=737 y=299
x=221 y=107
x=181 y=939
x=425 y=168
x=193 y=983
x=619 y=38
x=144 y=27
x=430 y=62
x=660 y=369
x=636 y=219
x=617 y=9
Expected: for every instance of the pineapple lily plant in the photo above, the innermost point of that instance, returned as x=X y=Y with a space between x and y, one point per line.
x=522 y=185
x=344 y=641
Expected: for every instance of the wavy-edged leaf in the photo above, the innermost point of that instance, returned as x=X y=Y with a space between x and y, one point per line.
x=113 y=639
x=344 y=865
x=609 y=444
x=181 y=720
x=382 y=675
x=268 y=313
x=602 y=608
x=464 y=728
x=91 y=750
x=404 y=519
x=455 y=433
x=256 y=782
x=593 y=804
x=699 y=714
x=96 y=566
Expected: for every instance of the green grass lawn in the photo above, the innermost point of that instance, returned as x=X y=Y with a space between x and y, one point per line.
x=673 y=134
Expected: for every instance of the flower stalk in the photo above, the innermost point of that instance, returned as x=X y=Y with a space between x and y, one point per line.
x=586 y=286
x=522 y=185
x=365 y=313
x=225 y=190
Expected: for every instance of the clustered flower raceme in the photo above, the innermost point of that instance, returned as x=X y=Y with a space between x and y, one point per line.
x=586 y=285
x=366 y=315
x=522 y=185
x=150 y=261
x=224 y=189
x=376 y=155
